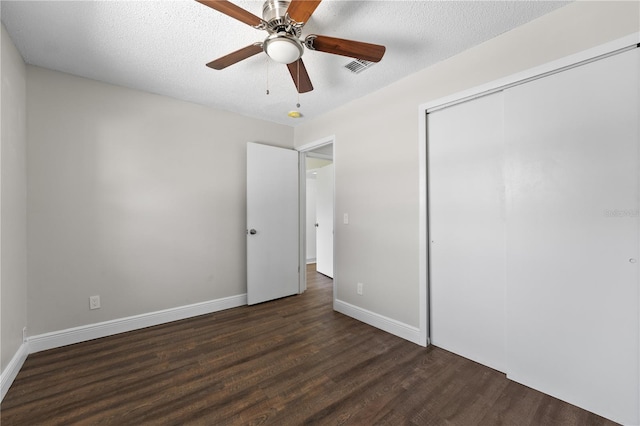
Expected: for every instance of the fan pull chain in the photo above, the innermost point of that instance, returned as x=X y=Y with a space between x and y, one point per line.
x=298 y=85
x=267 y=75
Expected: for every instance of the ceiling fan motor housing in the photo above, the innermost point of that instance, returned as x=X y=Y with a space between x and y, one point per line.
x=274 y=9
x=274 y=15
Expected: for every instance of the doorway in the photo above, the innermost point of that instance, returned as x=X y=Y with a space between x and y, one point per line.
x=319 y=217
x=317 y=208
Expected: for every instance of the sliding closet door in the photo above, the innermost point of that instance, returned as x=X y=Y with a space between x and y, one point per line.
x=572 y=235
x=467 y=229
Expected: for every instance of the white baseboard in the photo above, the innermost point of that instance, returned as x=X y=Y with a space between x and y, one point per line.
x=13 y=368
x=389 y=325
x=311 y=260
x=70 y=336
x=83 y=333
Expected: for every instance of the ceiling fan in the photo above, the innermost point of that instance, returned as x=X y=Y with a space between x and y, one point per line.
x=283 y=20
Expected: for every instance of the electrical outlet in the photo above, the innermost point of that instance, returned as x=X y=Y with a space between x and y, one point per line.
x=94 y=302
x=359 y=289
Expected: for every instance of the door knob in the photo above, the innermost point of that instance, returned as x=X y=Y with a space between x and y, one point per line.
x=253 y=231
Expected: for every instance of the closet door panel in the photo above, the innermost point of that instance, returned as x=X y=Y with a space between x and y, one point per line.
x=467 y=230
x=572 y=235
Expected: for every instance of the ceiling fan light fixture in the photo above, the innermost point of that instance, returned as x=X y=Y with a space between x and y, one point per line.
x=283 y=48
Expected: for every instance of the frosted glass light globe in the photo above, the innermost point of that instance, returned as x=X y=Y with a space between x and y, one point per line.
x=283 y=48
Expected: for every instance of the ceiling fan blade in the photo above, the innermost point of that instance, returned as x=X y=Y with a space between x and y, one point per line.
x=234 y=11
x=234 y=57
x=350 y=48
x=298 y=69
x=301 y=10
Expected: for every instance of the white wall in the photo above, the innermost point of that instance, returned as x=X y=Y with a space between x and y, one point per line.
x=13 y=224
x=377 y=143
x=134 y=197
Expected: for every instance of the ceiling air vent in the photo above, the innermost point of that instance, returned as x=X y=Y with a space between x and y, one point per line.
x=358 y=65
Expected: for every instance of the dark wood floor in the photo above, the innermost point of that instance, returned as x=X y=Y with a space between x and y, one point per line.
x=288 y=362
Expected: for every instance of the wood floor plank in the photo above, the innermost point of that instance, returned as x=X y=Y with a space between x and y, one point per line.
x=291 y=361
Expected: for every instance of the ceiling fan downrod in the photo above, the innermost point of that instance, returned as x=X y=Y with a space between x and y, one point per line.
x=276 y=19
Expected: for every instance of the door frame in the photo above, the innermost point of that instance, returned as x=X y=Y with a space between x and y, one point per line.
x=613 y=47
x=302 y=258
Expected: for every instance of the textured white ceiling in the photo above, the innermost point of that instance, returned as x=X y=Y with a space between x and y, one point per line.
x=162 y=46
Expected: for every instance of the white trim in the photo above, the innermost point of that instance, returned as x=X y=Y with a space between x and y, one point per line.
x=320 y=156
x=423 y=230
x=83 y=333
x=595 y=53
x=397 y=328
x=12 y=369
x=317 y=143
x=311 y=260
x=302 y=223
x=616 y=46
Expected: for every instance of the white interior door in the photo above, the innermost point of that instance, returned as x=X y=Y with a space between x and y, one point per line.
x=467 y=230
x=311 y=220
x=272 y=223
x=572 y=235
x=324 y=219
